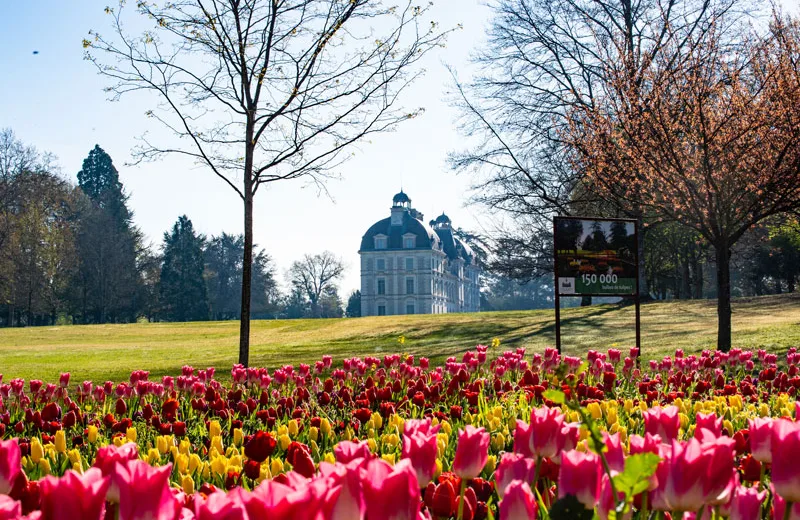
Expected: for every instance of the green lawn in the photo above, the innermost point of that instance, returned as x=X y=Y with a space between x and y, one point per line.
x=101 y=352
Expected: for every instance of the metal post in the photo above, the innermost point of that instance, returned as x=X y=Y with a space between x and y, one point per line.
x=558 y=320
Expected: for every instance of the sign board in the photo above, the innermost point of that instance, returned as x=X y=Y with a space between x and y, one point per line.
x=595 y=256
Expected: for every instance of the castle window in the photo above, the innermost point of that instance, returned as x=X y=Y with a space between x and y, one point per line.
x=409 y=264
x=380 y=242
x=380 y=264
x=381 y=286
x=409 y=286
x=409 y=242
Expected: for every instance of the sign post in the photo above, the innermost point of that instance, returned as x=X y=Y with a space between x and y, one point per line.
x=595 y=257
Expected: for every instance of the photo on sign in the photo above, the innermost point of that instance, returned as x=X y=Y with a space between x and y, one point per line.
x=595 y=256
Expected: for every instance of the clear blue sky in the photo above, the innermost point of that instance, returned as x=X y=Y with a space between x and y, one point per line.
x=54 y=100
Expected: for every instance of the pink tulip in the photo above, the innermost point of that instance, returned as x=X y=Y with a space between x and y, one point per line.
x=580 y=476
x=546 y=439
x=275 y=500
x=391 y=493
x=518 y=503
x=74 y=495
x=343 y=493
x=10 y=457
x=720 y=478
x=746 y=503
x=10 y=509
x=421 y=448
x=346 y=451
x=416 y=425
x=607 y=503
x=662 y=421
x=144 y=492
x=615 y=455
x=681 y=474
x=219 y=506
x=780 y=508
x=471 y=453
x=709 y=422
x=785 y=470
x=570 y=434
x=761 y=439
x=647 y=444
x=522 y=439
x=513 y=466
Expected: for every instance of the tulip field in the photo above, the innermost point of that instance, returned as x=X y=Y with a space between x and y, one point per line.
x=491 y=434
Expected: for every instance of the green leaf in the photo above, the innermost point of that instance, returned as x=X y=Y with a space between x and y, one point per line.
x=636 y=477
x=557 y=396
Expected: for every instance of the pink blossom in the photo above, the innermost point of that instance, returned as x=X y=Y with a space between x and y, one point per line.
x=10 y=457
x=471 y=453
x=580 y=476
x=518 y=503
x=74 y=495
x=380 y=481
x=144 y=492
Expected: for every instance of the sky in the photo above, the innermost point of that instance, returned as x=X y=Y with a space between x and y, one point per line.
x=54 y=100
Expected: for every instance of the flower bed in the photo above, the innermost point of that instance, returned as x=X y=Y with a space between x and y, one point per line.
x=515 y=436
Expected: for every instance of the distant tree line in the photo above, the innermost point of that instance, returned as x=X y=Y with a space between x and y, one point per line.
x=72 y=254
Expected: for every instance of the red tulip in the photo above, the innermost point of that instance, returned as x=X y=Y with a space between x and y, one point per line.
x=74 y=496
x=260 y=446
x=580 y=476
x=518 y=502
x=471 y=453
x=10 y=457
x=785 y=470
x=442 y=499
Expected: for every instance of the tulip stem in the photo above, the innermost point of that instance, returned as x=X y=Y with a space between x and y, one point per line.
x=701 y=512
x=787 y=513
x=460 y=514
x=644 y=506
x=536 y=471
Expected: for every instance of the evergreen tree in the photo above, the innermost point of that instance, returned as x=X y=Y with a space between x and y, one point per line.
x=108 y=280
x=354 y=305
x=182 y=290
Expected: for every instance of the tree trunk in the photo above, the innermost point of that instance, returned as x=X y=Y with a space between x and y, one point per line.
x=698 y=279
x=723 y=297
x=586 y=301
x=247 y=257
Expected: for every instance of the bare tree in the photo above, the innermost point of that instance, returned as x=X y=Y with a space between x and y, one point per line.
x=314 y=275
x=261 y=91
x=544 y=59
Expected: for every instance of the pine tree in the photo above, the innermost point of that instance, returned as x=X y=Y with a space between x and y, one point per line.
x=183 y=290
x=108 y=280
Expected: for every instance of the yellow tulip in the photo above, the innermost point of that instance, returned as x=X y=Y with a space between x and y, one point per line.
x=325 y=426
x=216 y=443
x=238 y=437
x=388 y=457
x=491 y=463
x=182 y=463
x=119 y=441
x=37 y=451
x=313 y=433
x=373 y=446
x=284 y=441
x=44 y=466
x=377 y=420
x=194 y=462
x=153 y=456
x=74 y=455
x=130 y=434
x=77 y=467
x=161 y=444
x=438 y=469
x=214 y=429
x=684 y=420
x=330 y=458
x=498 y=442
x=219 y=465
x=283 y=430
x=293 y=428
x=61 y=442
x=446 y=428
x=92 y=433
x=185 y=446
x=187 y=484
x=276 y=467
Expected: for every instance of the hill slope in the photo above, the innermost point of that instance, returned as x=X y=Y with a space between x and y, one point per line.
x=110 y=352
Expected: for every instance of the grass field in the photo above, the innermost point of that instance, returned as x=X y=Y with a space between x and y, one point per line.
x=110 y=352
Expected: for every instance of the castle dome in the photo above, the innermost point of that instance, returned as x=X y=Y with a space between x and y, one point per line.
x=401 y=198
